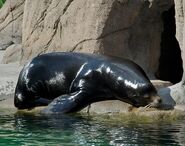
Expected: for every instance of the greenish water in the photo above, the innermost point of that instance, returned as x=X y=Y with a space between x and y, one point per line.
x=77 y=130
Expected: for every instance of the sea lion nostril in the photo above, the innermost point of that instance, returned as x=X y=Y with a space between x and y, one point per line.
x=159 y=100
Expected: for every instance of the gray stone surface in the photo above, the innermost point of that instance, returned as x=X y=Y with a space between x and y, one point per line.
x=172 y=97
x=124 y=28
x=8 y=79
x=11 y=15
x=12 y=54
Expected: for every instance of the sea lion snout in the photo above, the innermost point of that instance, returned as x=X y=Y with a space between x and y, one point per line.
x=18 y=100
x=21 y=102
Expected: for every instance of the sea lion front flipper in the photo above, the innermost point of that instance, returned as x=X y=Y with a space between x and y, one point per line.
x=67 y=103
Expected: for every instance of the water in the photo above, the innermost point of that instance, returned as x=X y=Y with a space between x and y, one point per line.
x=83 y=130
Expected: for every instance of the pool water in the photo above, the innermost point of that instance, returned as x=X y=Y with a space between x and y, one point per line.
x=84 y=130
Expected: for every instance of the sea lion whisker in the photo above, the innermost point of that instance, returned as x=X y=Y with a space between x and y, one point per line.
x=146 y=107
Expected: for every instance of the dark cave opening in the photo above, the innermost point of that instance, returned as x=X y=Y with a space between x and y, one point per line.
x=170 y=62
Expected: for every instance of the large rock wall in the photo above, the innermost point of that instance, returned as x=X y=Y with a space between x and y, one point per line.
x=123 y=28
x=63 y=25
x=11 y=15
x=178 y=91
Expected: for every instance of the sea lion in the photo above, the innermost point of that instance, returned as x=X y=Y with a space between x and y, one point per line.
x=67 y=82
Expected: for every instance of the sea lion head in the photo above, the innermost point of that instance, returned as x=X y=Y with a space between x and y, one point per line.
x=146 y=96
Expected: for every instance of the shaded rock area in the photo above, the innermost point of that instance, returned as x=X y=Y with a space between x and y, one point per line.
x=177 y=91
x=170 y=61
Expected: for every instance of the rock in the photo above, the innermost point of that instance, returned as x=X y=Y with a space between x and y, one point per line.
x=8 y=80
x=167 y=100
x=7 y=102
x=173 y=97
x=12 y=54
x=112 y=106
x=160 y=84
x=179 y=7
x=11 y=15
x=128 y=29
x=60 y=26
x=176 y=92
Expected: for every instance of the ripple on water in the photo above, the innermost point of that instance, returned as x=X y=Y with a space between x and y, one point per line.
x=28 y=129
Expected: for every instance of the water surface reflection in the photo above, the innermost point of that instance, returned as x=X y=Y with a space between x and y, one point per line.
x=28 y=129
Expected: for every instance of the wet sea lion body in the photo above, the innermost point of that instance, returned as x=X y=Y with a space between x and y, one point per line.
x=68 y=82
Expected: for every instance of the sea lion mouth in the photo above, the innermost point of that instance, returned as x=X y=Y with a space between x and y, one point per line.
x=152 y=102
x=32 y=104
x=155 y=103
